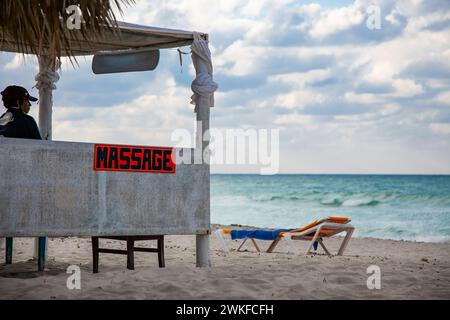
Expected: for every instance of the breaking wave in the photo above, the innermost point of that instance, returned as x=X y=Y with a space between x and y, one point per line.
x=349 y=200
x=389 y=207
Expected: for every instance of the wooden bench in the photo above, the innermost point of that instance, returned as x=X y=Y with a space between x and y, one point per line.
x=130 y=249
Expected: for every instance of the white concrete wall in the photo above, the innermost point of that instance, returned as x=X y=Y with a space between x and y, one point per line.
x=49 y=188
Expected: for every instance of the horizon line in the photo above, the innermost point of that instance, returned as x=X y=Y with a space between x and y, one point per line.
x=348 y=174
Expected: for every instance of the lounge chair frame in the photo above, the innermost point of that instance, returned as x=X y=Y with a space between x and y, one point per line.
x=312 y=235
x=331 y=229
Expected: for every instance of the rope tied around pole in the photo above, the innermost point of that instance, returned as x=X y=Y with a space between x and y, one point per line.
x=203 y=85
x=48 y=75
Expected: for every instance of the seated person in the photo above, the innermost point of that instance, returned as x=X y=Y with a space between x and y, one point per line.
x=15 y=122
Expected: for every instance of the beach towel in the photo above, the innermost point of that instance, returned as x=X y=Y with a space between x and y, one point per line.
x=257 y=234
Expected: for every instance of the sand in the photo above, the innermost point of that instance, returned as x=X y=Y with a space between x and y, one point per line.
x=409 y=270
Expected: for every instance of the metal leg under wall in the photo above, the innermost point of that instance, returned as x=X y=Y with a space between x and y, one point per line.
x=42 y=253
x=8 y=250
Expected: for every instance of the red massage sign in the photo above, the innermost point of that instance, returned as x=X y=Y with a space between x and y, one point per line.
x=109 y=157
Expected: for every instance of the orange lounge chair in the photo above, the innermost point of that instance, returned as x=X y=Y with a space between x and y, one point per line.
x=314 y=232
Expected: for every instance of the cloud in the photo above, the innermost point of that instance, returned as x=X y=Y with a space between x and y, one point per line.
x=15 y=63
x=345 y=98
x=364 y=98
x=434 y=67
x=391 y=108
x=337 y=20
x=406 y=88
x=443 y=98
x=147 y=119
x=301 y=79
x=440 y=128
x=300 y=99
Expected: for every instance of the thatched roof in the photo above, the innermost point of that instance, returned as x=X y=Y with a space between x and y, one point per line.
x=43 y=26
x=128 y=37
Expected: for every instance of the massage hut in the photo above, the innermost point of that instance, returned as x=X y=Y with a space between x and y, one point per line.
x=56 y=192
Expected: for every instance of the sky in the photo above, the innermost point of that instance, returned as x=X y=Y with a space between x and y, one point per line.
x=346 y=97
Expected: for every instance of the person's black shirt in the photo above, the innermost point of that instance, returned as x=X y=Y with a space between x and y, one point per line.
x=16 y=124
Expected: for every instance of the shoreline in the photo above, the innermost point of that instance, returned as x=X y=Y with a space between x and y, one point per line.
x=409 y=270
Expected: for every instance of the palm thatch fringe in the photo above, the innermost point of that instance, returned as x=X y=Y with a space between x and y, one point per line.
x=40 y=26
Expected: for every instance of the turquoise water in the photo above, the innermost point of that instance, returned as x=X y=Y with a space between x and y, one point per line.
x=398 y=207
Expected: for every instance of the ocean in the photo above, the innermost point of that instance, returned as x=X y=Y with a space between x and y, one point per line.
x=398 y=207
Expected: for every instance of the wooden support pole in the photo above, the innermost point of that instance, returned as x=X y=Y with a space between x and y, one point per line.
x=202 y=248
x=45 y=83
x=130 y=253
x=160 y=248
x=202 y=142
x=95 y=254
